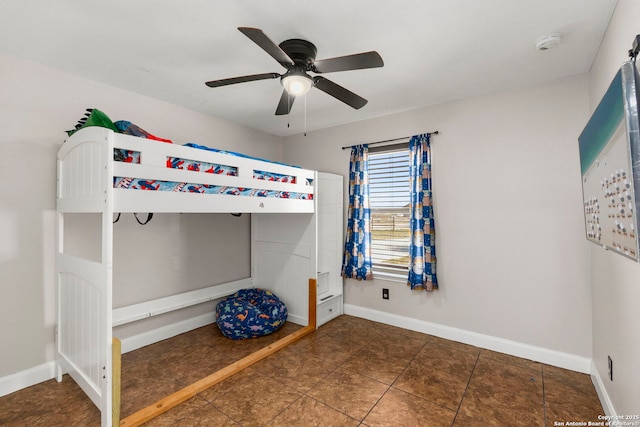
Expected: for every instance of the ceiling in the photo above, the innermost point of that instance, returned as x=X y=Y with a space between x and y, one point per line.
x=434 y=51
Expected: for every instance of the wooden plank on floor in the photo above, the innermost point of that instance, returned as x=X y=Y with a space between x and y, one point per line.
x=116 y=357
x=173 y=400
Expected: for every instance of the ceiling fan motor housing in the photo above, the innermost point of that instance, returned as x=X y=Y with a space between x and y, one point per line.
x=300 y=51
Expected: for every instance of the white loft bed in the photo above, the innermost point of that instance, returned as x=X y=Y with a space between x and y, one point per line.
x=283 y=254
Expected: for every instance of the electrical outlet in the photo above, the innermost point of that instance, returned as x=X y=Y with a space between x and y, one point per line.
x=610 y=368
x=385 y=293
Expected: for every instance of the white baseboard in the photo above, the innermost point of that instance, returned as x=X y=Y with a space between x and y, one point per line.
x=135 y=342
x=605 y=400
x=27 y=378
x=539 y=354
x=44 y=372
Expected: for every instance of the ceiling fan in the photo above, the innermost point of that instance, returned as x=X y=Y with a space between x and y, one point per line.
x=299 y=57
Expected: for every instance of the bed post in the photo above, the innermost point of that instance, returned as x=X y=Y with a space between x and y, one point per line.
x=173 y=400
x=313 y=304
x=116 y=351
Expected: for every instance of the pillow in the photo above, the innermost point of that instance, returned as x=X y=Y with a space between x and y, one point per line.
x=129 y=128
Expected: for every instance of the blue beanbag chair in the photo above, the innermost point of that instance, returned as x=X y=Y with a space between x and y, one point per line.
x=250 y=313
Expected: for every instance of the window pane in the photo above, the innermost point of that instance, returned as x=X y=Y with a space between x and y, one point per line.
x=389 y=193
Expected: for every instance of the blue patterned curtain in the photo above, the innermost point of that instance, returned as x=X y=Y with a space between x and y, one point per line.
x=356 y=262
x=422 y=248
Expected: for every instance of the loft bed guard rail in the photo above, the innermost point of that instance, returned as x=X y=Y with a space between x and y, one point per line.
x=185 y=179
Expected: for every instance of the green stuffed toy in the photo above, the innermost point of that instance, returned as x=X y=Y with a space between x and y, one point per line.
x=93 y=117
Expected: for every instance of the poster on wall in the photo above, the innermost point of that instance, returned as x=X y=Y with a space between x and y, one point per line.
x=610 y=165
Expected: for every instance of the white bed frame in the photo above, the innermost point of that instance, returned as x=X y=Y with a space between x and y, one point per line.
x=283 y=253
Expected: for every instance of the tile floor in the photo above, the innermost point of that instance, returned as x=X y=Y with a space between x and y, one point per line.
x=350 y=372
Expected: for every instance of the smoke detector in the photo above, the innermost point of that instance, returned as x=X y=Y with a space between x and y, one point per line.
x=548 y=42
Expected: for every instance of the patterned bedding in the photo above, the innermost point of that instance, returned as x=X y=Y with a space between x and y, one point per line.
x=129 y=156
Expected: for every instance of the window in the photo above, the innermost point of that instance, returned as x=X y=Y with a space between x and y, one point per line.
x=390 y=211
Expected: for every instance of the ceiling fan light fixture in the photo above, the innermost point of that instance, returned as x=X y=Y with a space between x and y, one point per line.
x=297 y=84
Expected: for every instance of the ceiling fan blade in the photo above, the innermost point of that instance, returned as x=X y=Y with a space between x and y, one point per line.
x=242 y=79
x=338 y=92
x=285 y=104
x=261 y=39
x=356 y=61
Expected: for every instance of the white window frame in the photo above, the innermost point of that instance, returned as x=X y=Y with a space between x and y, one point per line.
x=397 y=207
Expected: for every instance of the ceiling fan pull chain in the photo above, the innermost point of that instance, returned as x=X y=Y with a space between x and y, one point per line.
x=305 y=115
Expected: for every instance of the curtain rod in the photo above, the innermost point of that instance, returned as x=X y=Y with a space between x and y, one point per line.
x=389 y=140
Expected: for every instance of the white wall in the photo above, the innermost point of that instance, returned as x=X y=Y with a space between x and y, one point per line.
x=513 y=262
x=615 y=279
x=36 y=105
